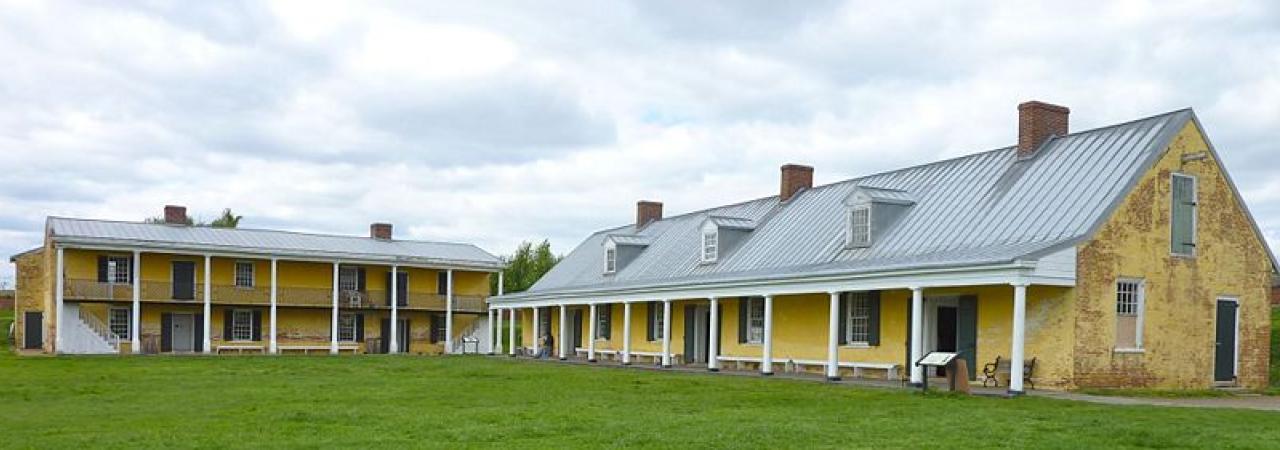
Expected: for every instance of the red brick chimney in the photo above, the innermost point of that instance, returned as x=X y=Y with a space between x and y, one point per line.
x=795 y=178
x=647 y=211
x=380 y=231
x=1037 y=121
x=175 y=215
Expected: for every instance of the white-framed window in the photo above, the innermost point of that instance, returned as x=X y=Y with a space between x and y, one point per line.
x=656 y=313
x=349 y=278
x=610 y=260
x=1130 y=306
x=604 y=321
x=242 y=325
x=244 y=274
x=857 y=318
x=860 y=226
x=755 y=320
x=118 y=321
x=1182 y=223
x=347 y=327
x=710 y=245
x=118 y=269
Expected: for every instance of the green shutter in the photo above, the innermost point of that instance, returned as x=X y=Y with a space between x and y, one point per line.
x=744 y=303
x=650 y=333
x=873 y=318
x=1182 y=227
x=841 y=316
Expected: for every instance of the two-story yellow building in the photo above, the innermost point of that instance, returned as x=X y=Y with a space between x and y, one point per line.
x=1121 y=256
x=100 y=286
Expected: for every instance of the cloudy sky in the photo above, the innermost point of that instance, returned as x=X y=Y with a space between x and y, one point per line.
x=493 y=122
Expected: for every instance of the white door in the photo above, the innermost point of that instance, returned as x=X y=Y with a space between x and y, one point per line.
x=183 y=333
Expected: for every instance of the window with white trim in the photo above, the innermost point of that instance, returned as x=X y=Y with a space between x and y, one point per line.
x=242 y=325
x=710 y=245
x=1182 y=224
x=610 y=260
x=860 y=226
x=118 y=322
x=244 y=274
x=857 y=318
x=755 y=320
x=349 y=278
x=118 y=269
x=1130 y=305
x=347 y=327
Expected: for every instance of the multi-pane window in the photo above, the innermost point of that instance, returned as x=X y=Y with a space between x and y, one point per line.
x=1130 y=303
x=1182 y=229
x=858 y=318
x=347 y=327
x=244 y=274
x=118 y=321
x=604 y=319
x=860 y=226
x=656 y=315
x=755 y=320
x=118 y=269
x=242 y=325
x=349 y=279
x=610 y=260
x=710 y=245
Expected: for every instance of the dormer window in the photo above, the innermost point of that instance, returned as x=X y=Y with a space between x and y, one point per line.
x=860 y=226
x=610 y=260
x=710 y=245
x=871 y=212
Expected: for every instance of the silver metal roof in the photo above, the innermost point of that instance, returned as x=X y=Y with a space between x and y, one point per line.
x=630 y=239
x=875 y=194
x=736 y=223
x=266 y=242
x=985 y=208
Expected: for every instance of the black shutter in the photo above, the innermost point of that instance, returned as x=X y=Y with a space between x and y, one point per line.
x=360 y=326
x=385 y=332
x=719 y=328
x=388 y=288
x=102 y=269
x=442 y=283
x=907 y=358
x=257 y=325
x=166 y=332
x=402 y=288
x=199 y=334
x=744 y=303
x=873 y=318
x=226 y=324
x=690 y=324
x=649 y=331
x=360 y=280
x=436 y=325
x=407 y=343
x=841 y=323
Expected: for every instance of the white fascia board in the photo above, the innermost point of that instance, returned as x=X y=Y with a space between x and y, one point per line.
x=249 y=253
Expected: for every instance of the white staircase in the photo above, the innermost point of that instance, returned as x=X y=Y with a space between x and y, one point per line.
x=84 y=334
x=475 y=338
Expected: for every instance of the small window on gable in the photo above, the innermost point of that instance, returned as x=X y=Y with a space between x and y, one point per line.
x=1182 y=228
x=610 y=260
x=860 y=226
x=710 y=245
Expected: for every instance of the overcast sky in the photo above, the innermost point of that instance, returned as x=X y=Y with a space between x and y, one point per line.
x=493 y=123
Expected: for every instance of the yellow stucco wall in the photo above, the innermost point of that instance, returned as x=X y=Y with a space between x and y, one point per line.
x=31 y=292
x=1181 y=292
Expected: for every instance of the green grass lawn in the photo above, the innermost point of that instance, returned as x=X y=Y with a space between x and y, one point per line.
x=385 y=401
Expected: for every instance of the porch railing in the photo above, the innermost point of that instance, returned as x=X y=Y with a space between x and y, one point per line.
x=89 y=289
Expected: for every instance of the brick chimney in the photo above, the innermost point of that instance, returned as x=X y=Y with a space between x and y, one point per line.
x=1037 y=121
x=380 y=231
x=175 y=215
x=795 y=178
x=647 y=211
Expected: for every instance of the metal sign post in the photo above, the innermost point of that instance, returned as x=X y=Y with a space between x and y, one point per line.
x=933 y=359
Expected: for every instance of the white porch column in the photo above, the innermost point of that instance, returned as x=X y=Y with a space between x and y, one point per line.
x=591 y=334
x=666 y=333
x=766 y=358
x=497 y=331
x=272 y=338
x=59 y=286
x=333 y=322
x=393 y=344
x=511 y=333
x=135 y=341
x=537 y=346
x=208 y=297
x=560 y=336
x=448 y=315
x=917 y=335
x=626 y=333
x=833 y=339
x=1019 y=334
x=713 y=337
x=489 y=332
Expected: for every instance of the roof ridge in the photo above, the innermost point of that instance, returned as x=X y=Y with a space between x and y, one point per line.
x=265 y=230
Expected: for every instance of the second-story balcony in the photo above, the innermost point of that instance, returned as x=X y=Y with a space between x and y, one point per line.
x=89 y=289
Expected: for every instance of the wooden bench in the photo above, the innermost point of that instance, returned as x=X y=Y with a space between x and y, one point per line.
x=891 y=369
x=307 y=349
x=615 y=354
x=992 y=371
x=241 y=348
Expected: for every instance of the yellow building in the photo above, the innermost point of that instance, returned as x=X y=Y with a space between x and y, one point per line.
x=125 y=287
x=1121 y=256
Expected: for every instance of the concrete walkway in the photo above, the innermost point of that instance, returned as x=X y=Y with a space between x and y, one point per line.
x=1256 y=402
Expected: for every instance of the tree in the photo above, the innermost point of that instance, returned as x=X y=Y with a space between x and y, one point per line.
x=525 y=267
x=226 y=220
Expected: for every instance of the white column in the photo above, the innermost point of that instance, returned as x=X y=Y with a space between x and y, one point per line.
x=135 y=323
x=560 y=337
x=591 y=334
x=59 y=286
x=626 y=333
x=489 y=332
x=713 y=337
x=393 y=344
x=272 y=338
x=511 y=333
x=917 y=335
x=208 y=297
x=1019 y=335
x=448 y=314
x=666 y=333
x=833 y=338
x=766 y=358
x=333 y=322
x=537 y=346
x=497 y=331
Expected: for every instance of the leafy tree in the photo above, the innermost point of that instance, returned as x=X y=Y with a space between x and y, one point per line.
x=525 y=267
x=226 y=220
